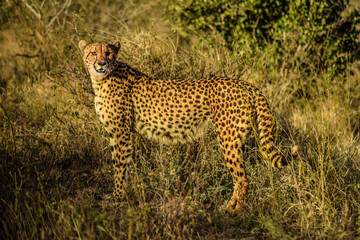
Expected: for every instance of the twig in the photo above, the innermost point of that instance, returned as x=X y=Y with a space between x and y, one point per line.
x=51 y=161
x=38 y=15
x=12 y=131
x=26 y=55
x=68 y=2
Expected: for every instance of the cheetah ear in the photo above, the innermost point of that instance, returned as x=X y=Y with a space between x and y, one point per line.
x=117 y=46
x=82 y=45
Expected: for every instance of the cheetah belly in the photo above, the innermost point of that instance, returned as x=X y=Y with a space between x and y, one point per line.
x=169 y=130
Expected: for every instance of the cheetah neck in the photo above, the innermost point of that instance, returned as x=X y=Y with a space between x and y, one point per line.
x=122 y=75
x=126 y=73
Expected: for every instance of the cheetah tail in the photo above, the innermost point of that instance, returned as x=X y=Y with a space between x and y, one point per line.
x=266 y=122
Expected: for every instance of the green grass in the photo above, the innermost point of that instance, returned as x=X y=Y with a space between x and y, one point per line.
x=55 y=163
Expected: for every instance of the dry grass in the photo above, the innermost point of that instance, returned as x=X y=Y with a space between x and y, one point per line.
x=55 y=159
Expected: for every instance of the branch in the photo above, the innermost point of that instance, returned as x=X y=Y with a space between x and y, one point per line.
x=67 y=3
x=38 y=15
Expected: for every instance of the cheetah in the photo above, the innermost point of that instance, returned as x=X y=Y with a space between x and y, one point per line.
x=172 y=111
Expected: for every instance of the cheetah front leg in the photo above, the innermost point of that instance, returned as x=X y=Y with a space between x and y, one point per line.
x=121 y=146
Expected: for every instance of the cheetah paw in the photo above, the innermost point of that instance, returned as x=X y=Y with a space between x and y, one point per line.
x=234 y=206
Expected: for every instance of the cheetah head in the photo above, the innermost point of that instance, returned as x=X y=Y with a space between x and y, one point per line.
x=99 y=58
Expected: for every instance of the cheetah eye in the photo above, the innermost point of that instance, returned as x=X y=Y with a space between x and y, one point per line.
x=107 y=54
x=93 y=53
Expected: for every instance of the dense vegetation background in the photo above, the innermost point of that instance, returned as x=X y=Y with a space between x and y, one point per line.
x=55 y=163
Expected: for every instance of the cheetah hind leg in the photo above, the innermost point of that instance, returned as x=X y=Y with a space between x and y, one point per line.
x=237 y=200
x=235 y=164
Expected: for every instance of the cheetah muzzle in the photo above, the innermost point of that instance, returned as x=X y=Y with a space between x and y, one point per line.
x=101 y=70
x=170 y=111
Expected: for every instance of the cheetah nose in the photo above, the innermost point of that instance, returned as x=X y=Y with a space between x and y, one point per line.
x=101 y=63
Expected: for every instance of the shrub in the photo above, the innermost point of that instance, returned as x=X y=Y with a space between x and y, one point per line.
x=324 y=32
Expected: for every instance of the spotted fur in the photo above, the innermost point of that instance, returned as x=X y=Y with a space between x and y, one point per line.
x=173 y=111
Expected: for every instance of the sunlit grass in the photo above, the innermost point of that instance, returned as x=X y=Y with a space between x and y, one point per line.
x=55 y=157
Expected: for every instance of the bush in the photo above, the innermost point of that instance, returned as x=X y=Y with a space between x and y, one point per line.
x=324 y=32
